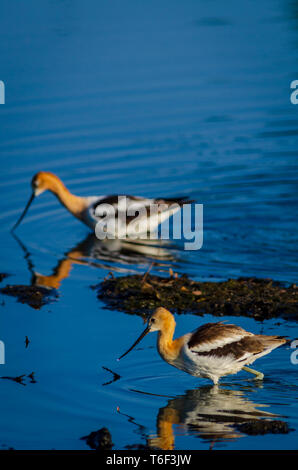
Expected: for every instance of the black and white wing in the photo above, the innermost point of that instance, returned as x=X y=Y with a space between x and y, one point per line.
x=132 y=210
x=219 y=340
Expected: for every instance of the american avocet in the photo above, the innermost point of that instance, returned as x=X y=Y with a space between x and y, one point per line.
x=212 y=351
x=86 y=209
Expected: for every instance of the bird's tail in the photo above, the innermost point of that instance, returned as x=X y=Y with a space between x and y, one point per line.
x=178 y=200
x=272 y=342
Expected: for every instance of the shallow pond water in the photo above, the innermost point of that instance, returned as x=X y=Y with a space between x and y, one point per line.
x=188 y=98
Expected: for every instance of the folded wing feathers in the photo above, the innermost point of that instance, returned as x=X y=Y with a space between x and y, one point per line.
x=139 y=202
x=219 y=340
x=212 y=336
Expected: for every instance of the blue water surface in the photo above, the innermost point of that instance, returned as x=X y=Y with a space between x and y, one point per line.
x=154 y=99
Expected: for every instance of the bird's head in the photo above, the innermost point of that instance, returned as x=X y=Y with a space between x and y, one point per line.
x=161 y=319
x=42 y=181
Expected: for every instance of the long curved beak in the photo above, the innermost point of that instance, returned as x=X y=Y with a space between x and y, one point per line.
x=147 y=330
x=24 y=212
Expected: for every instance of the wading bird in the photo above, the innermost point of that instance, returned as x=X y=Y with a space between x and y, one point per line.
x=123 y=208
x=211 y=351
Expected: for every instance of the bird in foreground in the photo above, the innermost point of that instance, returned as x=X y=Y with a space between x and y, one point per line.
x=91 y=210
x=211 y=351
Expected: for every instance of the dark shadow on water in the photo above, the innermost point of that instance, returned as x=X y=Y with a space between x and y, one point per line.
x=211 y=413
x=214 y=414
x=111 y=255
x=100 y=253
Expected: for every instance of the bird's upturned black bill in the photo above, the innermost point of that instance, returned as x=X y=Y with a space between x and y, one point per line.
x=136 y=342
x=24 y=212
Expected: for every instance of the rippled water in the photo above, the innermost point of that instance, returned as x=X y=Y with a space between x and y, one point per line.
x=153 y=99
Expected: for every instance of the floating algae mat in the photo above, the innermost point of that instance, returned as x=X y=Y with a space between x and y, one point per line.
x=255 y=427
x=258 y=298
x=34 y=296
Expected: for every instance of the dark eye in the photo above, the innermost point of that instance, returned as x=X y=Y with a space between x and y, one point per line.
x=34 y=183
x=152 y=320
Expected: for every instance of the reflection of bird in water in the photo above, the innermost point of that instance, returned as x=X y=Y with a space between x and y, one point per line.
x=133 y=214
x=211 y=351
x=106 y=254
x=208 y=412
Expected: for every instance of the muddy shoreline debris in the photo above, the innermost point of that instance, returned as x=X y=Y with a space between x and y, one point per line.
x=252 y=297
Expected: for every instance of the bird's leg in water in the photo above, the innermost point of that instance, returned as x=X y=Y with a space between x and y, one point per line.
x=259 y=375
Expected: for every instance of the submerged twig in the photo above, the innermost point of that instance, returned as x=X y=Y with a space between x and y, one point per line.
x=147 y=272
x=19 y=379
x=116 y=376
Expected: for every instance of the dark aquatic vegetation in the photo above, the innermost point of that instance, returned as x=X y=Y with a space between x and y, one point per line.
x=34 y=296
x=99 y=440
x=252 y=297
x=255 y=427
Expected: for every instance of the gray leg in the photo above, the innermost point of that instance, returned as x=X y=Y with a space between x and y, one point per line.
x=259 y=375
